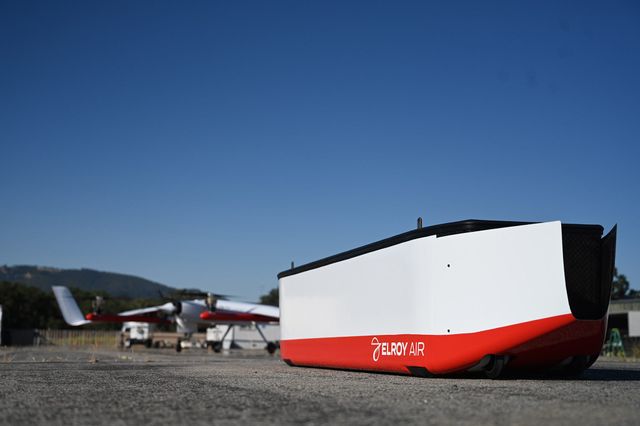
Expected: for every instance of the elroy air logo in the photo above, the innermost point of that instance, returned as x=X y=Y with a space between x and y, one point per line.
x=398 y=348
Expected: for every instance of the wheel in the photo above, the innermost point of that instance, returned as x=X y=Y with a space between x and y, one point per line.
x=592 y=358
x=178 y=346
x=217 y=347
x=271 y=348
x=495 y=367
x=577 y=365
x=148 y=343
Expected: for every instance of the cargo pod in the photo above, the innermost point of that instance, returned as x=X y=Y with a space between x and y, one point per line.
x=464 y=296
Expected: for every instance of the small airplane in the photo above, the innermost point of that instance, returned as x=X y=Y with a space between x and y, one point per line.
x=186 y=314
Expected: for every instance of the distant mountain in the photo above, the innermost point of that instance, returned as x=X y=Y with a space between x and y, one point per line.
x=117 y=285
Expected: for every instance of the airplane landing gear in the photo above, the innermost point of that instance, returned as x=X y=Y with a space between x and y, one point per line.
x=271 y=346
x=217 y=347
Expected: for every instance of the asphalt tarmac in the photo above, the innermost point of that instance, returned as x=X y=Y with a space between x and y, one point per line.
x=57 y=386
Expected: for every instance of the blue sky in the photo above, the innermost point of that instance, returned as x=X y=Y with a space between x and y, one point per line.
x=208 y=144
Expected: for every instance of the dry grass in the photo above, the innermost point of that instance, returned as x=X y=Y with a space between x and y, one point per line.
x=7 y=358
x=94 y=358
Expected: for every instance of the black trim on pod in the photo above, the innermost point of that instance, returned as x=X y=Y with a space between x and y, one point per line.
x=588 y=270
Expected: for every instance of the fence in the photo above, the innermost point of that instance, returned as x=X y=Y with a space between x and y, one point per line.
x=104 y=338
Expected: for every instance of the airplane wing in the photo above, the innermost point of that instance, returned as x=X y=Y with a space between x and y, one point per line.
x=231 y=311
x=137 y=315
x=70 y=310
x=73 y=316
x=167 y=308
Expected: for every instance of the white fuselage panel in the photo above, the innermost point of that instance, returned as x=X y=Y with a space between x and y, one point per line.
x=454 y=284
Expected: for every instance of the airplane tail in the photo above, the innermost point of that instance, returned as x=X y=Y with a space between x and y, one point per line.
x=70 y=310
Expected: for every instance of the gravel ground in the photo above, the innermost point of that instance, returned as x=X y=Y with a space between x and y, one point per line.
x=57 y=386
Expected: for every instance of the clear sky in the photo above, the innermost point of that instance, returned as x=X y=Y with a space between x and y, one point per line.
x=209 y=144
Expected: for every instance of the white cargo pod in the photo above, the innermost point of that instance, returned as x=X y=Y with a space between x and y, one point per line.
x=469 y=295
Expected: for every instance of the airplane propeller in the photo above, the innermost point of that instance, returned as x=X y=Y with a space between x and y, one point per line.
x=97 y=302
x=177 y=307
x=210 y=298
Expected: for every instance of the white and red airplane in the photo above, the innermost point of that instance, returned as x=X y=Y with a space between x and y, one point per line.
x=186 y=314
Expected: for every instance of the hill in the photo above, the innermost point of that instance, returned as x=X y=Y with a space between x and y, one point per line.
x=118 y=285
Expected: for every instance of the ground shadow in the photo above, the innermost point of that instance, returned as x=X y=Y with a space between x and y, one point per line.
x=611 y=374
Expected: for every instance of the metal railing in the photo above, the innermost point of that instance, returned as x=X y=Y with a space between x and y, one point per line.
x=104 y=338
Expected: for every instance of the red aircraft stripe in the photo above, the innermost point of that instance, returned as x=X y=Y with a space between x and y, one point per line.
x=235 y=316
x=125 y=318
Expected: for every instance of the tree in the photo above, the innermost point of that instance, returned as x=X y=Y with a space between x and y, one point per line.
x=620 y=287
x=29 y=307
x=272 y=298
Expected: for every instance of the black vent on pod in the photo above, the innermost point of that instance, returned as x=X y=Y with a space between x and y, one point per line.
x=588 y=269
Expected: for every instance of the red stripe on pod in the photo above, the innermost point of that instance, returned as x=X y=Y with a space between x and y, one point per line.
x=536 y=342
